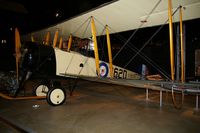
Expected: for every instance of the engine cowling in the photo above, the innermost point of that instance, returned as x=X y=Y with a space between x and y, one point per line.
x=39 y=60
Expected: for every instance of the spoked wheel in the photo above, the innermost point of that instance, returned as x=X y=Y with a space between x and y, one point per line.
x=56 y=96
x=41 y=90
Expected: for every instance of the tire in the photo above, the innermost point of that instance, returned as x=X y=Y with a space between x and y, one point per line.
x=40 y=90
x=56 y=96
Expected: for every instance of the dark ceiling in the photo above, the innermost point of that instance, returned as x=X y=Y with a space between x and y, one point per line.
x=30 y=15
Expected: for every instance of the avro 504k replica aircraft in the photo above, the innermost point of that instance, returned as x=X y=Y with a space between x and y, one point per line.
x=51 y=61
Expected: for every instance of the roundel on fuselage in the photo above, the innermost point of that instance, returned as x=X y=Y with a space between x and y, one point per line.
x=103 y=69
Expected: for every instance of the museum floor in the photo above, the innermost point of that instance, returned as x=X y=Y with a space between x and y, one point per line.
x=101 y=108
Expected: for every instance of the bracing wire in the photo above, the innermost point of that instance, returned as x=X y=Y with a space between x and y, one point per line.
x=143 y=46
x=88 y=19
x=102 y=44
x=103 y=25
x=81 y=25
x=145 y=57
x=151 y=62
x=137 y=29
x=139 y=51
x=86 y=28
x=84 y=35
x=86 y=31
x=142 y=55
x=70 y=62
x=85 y=62
x=149 y=40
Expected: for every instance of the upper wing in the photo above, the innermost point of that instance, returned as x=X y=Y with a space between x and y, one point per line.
x=124 y=15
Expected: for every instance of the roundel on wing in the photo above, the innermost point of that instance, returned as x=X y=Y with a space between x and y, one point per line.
x=103 y=69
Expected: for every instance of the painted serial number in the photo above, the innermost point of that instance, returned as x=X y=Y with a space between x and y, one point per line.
x=120 y=73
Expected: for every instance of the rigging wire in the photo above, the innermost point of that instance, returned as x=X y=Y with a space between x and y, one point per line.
x=137 y=29
x=143 y=46
x=103 y=25
x=86 y=28
x=85 y=33
x=86 y=21
x=81 y=25
x=133 y=48
x=146 y=58
x=102 y=44
x=70 y=62
x=84 y=60
x=151 y=62
x=96 y=20
x=149 y=39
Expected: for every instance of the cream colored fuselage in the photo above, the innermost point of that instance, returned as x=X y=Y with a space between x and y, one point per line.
x=73 y=63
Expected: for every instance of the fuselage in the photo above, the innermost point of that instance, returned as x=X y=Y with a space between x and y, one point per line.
x=45 y=61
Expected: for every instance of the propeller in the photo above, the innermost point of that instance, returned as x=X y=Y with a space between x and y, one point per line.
x=17 y=52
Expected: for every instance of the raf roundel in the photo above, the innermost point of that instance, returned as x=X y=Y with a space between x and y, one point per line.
x=103 y=69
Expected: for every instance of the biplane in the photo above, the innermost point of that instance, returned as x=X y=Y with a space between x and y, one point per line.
x=51 y=61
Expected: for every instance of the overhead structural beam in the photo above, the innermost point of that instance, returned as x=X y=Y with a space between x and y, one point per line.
x=171 y=39
x=96 y=54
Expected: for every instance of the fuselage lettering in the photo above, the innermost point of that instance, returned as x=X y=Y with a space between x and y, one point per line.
x=120 y=73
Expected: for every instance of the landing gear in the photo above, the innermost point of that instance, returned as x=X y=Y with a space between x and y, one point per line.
x=72 y=85
x=41 y=90
x=56 y=96
x=53 y=90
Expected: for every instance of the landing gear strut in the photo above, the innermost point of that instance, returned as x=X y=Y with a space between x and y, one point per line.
x=56 y=96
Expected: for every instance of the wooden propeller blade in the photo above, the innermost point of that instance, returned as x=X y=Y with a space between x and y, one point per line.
x=17 y=51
